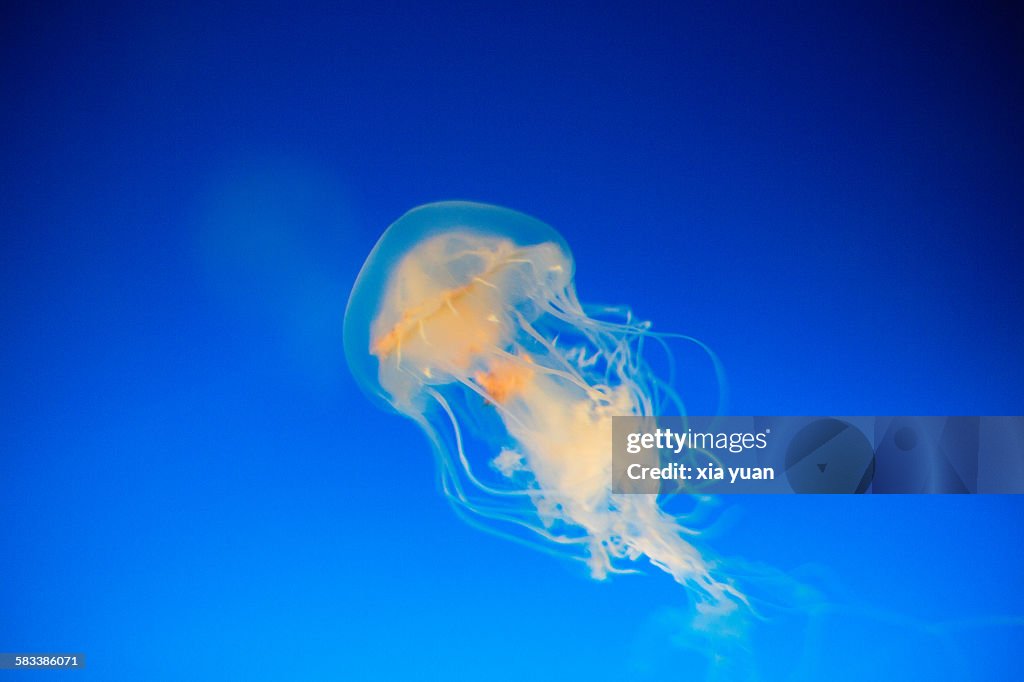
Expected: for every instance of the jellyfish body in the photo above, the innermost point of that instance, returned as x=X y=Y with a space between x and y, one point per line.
x=465 y=319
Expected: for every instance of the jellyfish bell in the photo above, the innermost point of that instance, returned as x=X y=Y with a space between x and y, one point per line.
x=465 y=319
x=432 y=269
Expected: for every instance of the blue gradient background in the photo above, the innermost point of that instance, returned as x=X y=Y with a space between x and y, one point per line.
x=190 y=483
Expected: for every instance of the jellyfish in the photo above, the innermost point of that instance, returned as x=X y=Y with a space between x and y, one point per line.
x=465 y=319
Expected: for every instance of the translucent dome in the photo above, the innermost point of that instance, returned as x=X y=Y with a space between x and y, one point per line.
x=492 y=227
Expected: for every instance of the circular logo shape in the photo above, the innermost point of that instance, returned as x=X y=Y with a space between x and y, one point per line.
x=905 y=438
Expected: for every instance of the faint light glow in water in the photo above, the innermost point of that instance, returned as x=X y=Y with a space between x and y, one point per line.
x=269 y=241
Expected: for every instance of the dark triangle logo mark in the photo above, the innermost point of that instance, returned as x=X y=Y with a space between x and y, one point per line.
x=821 y=466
